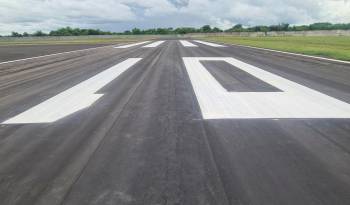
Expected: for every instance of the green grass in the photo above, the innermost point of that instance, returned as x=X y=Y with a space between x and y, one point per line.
x=70 y=41
x=336 y=47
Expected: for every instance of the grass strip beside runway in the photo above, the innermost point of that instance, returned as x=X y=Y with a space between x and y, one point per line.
x=337 y=47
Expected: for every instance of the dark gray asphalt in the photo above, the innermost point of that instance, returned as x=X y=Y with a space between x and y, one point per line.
x=145 y=141
x=8 y=53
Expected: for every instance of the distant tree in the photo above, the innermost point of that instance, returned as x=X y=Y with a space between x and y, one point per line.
x=279 y=27
x=321 y=26
x=15 y=34
x=25 y=34
x=68 y=31
x=127 y=32
x=258 y=29
x=236 y=28
x=61 y=32
x=284 y=26
x=206 y=29
x=216 y=30
x=341 y=26
x=299 y=28
x=39 y=33
x=84 y=32
x=162 y=31
x=136 y=31
x=93 y=32
x=264 y=29
x=185 y=30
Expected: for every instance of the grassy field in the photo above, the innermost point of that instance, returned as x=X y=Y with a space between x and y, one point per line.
x=325 y=46
x=70 y=40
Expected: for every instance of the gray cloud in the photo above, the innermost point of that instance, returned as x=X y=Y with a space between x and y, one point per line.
x=179 y=3
x=119 y=15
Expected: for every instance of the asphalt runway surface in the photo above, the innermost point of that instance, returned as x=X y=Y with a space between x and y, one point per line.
x=8 y=53
x=174 y=123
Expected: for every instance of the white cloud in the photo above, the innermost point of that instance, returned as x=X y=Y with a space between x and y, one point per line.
x=118 y=15
x=30 y=15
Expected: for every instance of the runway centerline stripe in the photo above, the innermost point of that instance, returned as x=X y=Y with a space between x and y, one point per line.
x=210 y=44
x=133 y=44
x=187 y=44
x=153 y=45
x=296 y=101
x=74 y=99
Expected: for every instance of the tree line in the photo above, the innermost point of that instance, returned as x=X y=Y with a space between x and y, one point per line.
x=287 y=27
x=68 y=31
x=241 y=28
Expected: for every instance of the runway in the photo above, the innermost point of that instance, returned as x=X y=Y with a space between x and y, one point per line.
x=176 y=121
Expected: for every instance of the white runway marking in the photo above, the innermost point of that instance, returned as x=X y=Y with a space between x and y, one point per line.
x=54 y=54
x=132 y=45
x=210 y=44
x=296 y=101
x=187 y=44
x=74 y=99
x=153 y=45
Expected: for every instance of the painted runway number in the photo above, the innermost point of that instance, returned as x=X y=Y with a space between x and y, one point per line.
x=296 y=101
x=74 y=99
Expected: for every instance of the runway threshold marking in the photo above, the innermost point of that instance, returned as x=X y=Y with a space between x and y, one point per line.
x=153 y=45
x=133 y=44
x=187 y=44
x=296 y=101
x=72 y=100
x=210 y=44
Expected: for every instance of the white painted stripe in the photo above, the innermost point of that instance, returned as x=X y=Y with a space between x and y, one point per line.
x=296 y=101
x=55 y=54
x=153 y=45
x=187 y=44
x=72 y=100
x=210 y=44
x=295 y=54
x=132 y=45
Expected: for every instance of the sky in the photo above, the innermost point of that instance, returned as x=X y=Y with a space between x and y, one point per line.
x=120 y=15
